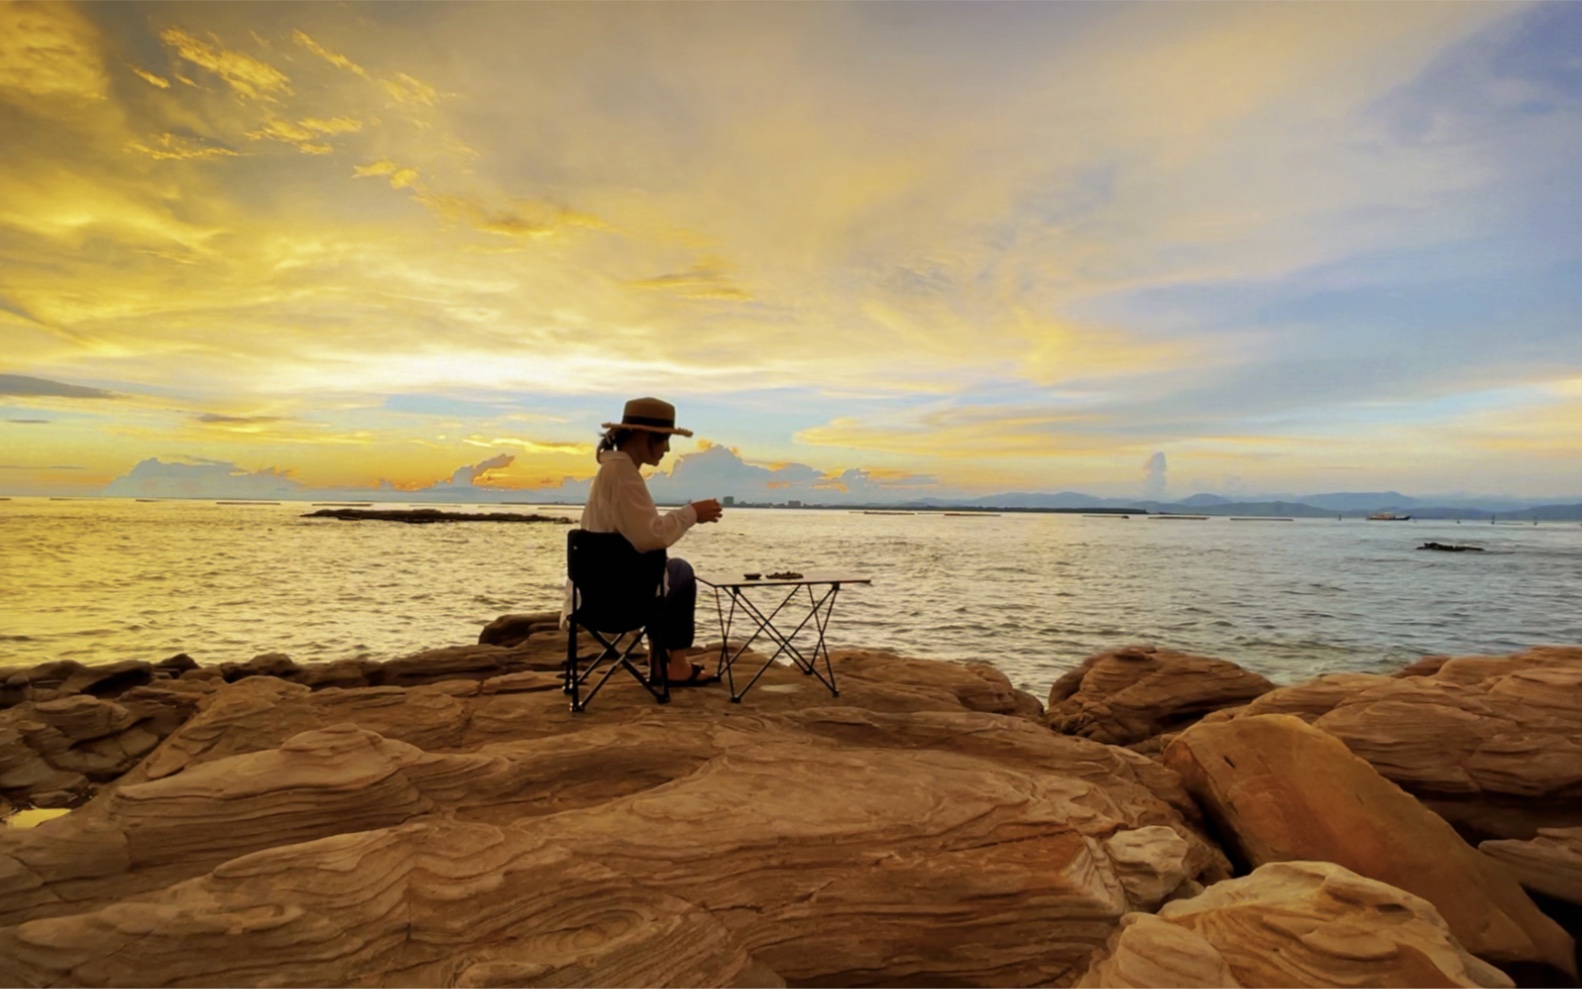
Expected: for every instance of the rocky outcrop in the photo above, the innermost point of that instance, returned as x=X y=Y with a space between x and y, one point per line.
x=429 y=903
x=484 y=835
x=443 y=819
x=1128 y=695
x=1290 y=924
x=1279 y=790
x=1550 y=864
x=882 y=675
x=65 y=678
x=53 y=753
x=1491 y=743
x=510 y=630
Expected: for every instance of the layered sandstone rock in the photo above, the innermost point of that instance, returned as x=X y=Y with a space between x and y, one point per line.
x=64 y=678
x=54 y=753
x=485 y=835
x=1550 y=864
x=429 y=903
x=511 y=630
x=1128 y=695
x=885 y=678
x=1281 y=790
x=1492 y=743
x=1290 y=924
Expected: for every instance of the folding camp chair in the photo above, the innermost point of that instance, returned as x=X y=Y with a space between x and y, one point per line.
x=616 y=592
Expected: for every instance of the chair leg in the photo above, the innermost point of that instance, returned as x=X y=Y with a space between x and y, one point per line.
x=573 y=682
x=576 y=677
x=659 y=659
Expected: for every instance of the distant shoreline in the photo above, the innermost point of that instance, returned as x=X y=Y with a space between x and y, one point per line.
x=1239 y=510
x=425 y=516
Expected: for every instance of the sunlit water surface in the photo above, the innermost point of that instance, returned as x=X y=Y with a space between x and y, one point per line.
x=104 y=580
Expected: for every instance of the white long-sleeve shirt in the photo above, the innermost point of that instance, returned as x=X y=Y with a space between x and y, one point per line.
x=618 y=501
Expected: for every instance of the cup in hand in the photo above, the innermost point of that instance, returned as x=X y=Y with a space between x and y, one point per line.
x=708 y=510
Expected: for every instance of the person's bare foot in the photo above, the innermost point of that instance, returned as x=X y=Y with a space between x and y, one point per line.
x=680 y=664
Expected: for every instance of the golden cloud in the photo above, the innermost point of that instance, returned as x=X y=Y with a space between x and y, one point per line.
x=521 y=218
x=68 y=207
x=302 y=133
x=531 y=446
x=400 y=178
x=50 y=50
x=973 y=433
x=246 y=75
x=1056 y=351
x=174 y=147
x=409 y=92
x=334 y=58
x=705 y=280
x=150 y=78
x=333 y=125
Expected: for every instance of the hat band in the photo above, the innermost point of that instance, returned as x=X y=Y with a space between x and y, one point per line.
x=648 y=421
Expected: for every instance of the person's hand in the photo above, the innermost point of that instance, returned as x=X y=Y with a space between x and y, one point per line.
x=708 y=510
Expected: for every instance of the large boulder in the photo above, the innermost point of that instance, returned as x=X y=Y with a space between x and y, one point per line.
x=876 y=674
x=1290 y=924
x=270 y=664
x=1491 y=743
x=511 y=630
x=1281 y=790
x=1550 y=864
x=1128 y=695
x=907 y=840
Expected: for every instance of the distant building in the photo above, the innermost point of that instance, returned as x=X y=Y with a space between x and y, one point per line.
x=793 y=503
x=729 y=501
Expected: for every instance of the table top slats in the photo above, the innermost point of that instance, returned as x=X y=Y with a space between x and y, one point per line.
x=815 y=577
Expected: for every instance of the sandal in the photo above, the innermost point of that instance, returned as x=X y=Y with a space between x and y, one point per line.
x=697 y=679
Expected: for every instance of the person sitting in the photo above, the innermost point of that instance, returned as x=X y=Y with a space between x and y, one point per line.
x=618 y=501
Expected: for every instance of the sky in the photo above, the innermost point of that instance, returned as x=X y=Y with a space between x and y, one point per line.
x=867 y=249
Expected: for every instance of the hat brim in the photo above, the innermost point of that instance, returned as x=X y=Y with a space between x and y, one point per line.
x=668 y=431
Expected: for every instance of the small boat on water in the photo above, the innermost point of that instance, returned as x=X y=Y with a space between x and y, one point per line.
x=889 y=513
x=1388 y=517
x=991 y=515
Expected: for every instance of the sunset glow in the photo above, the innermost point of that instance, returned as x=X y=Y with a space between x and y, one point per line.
x=940 y=248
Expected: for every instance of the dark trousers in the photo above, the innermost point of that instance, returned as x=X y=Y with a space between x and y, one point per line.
x=678 y=622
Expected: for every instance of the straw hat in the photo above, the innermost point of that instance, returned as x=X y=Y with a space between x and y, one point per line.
x=650 y=414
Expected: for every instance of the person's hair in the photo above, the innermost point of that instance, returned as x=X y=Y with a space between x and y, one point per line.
x=612 y=440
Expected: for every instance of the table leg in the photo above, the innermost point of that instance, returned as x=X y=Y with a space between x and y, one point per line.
x=819 y=611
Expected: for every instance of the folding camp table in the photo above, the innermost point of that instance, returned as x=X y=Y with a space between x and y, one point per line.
x=820 y=605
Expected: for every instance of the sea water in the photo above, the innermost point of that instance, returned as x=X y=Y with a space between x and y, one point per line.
x=100 y=580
